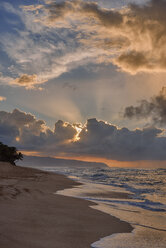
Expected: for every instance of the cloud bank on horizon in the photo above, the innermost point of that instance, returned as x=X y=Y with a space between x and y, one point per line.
x=94 y=139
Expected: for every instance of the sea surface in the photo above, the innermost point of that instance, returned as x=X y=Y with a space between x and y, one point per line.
x=145 y=211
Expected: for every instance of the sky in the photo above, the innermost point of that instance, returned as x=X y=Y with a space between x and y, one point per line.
x=84 y=79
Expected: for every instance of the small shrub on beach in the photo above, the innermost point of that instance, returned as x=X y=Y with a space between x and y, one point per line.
x=9 y=154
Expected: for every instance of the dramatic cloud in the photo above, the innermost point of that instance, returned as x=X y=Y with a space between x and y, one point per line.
x=101 y=139
x=133 y=38
x=94 y=139
x=2 y=98
x=155 y=108
x=28 y=81
x=38 y=54
x=17 y=118
x=28 y=132
x=59 y=36
x=58 y=11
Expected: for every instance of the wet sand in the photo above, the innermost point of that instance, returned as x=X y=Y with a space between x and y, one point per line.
x=115 y=195
x=32 y=216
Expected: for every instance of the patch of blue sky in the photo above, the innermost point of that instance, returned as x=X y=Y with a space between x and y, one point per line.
x=11 y=21
x=17 y=3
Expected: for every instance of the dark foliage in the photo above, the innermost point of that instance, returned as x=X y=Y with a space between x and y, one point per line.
x=9 y=154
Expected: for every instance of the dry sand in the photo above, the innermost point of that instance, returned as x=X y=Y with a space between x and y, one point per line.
x=32 y=216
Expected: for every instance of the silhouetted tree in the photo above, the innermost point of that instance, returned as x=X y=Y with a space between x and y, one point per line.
x=9 y=154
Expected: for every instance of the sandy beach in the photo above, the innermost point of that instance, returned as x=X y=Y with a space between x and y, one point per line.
x=32 y=216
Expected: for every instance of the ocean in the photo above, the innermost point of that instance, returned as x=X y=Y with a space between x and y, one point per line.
x=145 y=211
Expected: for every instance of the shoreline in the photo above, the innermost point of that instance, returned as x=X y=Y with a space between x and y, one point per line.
x=33 y=216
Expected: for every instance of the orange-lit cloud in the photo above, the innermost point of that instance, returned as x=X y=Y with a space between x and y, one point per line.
x=28 y=81
x=133 y=38
x=95 y=141
x=2 y=98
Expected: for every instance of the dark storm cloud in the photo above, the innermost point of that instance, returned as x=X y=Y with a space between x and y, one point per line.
x=8 y=133
x=16 y=118
x=155 y=108
x=25 y=131
x=101 y=139
x=95 y=138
